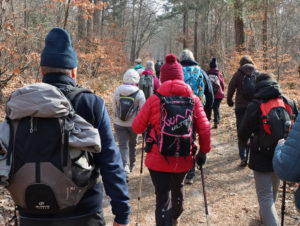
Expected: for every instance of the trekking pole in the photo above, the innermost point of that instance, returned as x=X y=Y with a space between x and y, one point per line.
x=204 y=195
x=140 y=182
x=287 y=127
x=283 y=202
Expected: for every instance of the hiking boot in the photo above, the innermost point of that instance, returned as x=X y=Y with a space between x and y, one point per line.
x=215 y=126
x=175 y=222
x=243 y=163
x=189 y=181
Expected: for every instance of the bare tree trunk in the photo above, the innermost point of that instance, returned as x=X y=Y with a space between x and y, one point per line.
x=96 y=20
x=239 y=26
x=81 y=28
x=67 y=14
x=133 y=44
x=102 y=23
x=185 y=24
x=265 y=34
x=196 y=31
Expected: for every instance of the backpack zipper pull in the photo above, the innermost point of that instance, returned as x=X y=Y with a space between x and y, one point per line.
x=31 y=125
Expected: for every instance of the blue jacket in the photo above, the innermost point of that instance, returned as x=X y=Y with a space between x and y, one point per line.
x=286 y=160
x=92 y=109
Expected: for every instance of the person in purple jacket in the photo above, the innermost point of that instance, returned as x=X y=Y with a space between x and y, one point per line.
x=217 y=81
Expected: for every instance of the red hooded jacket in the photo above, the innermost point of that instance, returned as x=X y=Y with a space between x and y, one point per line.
x=150 y=112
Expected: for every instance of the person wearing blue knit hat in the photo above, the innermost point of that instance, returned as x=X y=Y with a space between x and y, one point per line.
x=59 y=68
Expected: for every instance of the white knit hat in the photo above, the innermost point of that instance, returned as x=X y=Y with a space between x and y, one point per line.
x=131 y=76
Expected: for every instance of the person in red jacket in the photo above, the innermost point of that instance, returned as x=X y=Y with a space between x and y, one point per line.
x=168 y=173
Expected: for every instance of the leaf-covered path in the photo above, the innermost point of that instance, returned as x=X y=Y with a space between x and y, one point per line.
x=230 y=189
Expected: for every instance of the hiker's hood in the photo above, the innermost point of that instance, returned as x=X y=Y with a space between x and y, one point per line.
x=131 y=76
x=147 y=72
x=126 y=89
x=214 y=71
x=267 y=89
x=186 y=63
x=247 y=69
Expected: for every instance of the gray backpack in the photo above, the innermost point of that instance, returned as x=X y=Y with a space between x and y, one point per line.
x=146 y=84
x=48 y=175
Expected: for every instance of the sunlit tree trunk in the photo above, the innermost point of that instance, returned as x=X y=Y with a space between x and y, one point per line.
x=239 y=25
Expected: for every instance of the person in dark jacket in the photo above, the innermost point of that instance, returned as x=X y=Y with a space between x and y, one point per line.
x=168 y=172
x=235 y=85
x=59 y=68
x=186 y=59
x=217 y=81
x=266 y=181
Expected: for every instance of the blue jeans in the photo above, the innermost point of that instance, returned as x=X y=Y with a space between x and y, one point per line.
x=239 y=113
x=127 y=145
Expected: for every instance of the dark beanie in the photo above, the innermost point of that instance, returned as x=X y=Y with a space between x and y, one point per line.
x=171 y=70
x=213 y=63
x=58 y=51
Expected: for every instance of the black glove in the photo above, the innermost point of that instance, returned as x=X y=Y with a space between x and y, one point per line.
x=230 y=103
x=201 y=158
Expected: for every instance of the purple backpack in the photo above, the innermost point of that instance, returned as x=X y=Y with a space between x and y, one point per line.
x=175 y=138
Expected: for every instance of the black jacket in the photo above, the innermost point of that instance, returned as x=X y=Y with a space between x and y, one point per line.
x=260 y=159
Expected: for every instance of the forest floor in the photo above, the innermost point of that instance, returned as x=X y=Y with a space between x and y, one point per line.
x=230 y=188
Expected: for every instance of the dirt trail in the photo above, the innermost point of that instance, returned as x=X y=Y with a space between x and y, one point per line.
x=230 y=189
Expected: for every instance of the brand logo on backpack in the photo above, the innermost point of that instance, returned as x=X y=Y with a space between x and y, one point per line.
x=41 y=206
x=175 y=137
x=126 y=107
x=275 y=116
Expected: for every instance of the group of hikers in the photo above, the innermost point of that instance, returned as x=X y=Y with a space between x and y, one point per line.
x=56 y=139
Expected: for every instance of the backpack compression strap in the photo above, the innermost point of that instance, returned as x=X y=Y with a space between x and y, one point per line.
x=266 y=107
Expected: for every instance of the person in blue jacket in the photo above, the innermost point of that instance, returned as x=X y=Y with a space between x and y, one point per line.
x=286 y=159
x=59 y=68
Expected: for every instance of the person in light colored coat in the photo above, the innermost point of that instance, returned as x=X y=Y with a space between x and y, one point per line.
x=286 y=159
x=126 y=137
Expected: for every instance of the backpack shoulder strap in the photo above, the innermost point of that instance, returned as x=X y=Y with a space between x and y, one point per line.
x=288 y=105
x=72 y=91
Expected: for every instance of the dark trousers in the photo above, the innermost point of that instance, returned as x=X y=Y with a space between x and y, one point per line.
x=95 y=219
x=239 y=113
x=216 y=109
x=169 y=196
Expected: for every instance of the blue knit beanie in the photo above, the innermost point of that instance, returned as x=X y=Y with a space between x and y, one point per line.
x=58 y=51
x=213 y=63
